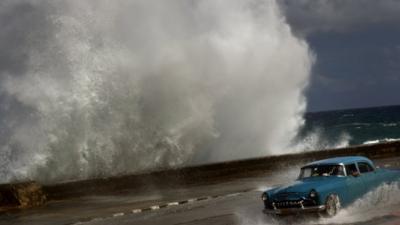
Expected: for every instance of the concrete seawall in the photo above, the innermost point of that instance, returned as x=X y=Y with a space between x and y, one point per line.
x=211 y=172
x=17 y=195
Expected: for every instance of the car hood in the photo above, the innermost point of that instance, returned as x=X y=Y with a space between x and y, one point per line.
x=305 y=185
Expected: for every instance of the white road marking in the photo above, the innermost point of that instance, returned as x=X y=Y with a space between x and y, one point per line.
x=232 y=195
x=118 y=214
x=136 y=211
x=155 y=207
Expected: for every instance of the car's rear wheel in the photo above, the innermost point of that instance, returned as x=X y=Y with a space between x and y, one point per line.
x=332 y=205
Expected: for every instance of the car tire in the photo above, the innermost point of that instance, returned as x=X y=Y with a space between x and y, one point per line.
x=332 y=205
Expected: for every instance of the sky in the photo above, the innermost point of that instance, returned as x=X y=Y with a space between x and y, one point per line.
x=357 y=49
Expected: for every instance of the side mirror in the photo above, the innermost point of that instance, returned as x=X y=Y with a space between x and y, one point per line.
x=355 y=174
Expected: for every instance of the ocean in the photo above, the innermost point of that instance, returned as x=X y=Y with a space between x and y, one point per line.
x=341 y=128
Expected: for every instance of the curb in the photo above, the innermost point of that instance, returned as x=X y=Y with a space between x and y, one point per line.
x=161 y=206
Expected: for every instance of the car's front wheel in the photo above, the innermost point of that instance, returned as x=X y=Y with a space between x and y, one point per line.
x=332 y=205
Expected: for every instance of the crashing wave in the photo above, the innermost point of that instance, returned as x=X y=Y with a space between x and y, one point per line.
x=377 y=141
x=316 y=140
x=113 y=87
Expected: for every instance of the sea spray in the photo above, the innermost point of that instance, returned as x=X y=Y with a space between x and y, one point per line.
x=100 y=88
x=379 y=202
x=318 y=140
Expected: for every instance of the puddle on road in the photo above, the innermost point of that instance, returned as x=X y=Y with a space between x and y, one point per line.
x=375 y=204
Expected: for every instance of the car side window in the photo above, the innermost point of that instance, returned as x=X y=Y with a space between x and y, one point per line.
x=351 y=169
x=365 y=167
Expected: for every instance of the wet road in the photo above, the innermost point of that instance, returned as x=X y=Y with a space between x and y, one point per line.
x=236 y=202
x=243 y=209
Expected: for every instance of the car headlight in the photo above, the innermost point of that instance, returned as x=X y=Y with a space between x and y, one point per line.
x=264 y=197
x=313 y=194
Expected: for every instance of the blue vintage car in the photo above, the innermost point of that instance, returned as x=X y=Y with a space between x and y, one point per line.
x=327 y=185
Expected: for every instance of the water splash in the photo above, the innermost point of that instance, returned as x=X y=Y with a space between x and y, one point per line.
x=376 y=203
x=316 y=140
x=105 y=87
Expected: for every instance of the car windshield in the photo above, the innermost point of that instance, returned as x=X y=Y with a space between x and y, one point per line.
x=321 y=171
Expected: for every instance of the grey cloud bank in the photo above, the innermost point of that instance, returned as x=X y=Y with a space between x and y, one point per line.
x=356 y=44
x=309 y=16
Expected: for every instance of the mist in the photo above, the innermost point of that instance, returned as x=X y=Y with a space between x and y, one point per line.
x=101 y=88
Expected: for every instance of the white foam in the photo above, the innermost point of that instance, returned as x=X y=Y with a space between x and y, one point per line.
x=316 y=141
x=379 y=202
x=389 y=124
x=381 y=141
x=376 y=203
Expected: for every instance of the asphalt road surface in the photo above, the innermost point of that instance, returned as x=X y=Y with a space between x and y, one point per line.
x=236 y=202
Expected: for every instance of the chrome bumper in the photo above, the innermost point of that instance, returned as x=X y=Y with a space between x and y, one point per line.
x=284 y=211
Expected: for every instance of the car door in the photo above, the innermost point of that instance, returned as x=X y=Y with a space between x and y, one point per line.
x=354 y=182
x=367 y=175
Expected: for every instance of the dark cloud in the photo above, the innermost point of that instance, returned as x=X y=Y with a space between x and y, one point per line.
x=308 y=16
x=357 y=69
x=356 y=44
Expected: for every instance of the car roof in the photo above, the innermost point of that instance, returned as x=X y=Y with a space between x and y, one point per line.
x=339 y=160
